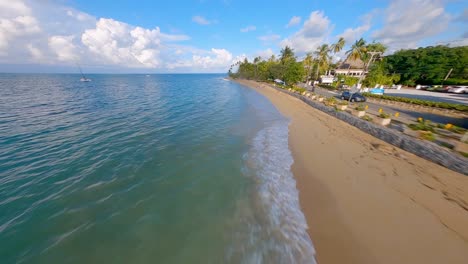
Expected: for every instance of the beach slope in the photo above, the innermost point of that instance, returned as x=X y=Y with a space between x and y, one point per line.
x=367 y=201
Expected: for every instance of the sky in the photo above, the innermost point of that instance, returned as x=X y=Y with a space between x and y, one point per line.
x=192 y=36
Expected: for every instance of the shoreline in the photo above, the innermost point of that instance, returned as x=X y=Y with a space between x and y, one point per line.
x=366 y=201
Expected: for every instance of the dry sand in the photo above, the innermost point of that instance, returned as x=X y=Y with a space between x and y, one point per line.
x=366 y=201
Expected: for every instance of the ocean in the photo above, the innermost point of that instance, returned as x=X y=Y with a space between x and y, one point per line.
x=182 y=168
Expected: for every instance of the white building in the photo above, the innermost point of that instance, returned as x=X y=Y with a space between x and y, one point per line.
x=327 y=79
x=351 y=68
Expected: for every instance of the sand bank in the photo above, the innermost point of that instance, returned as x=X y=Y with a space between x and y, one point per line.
x=366 y=201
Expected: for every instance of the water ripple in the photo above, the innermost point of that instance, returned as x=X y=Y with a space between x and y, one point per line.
x=105 y=171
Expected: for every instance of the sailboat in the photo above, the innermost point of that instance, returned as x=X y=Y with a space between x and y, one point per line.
x=83 y=77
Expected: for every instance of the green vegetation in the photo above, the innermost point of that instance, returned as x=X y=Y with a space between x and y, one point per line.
x=298 y=89
x=360 y=107
x=429 y=65
x=367 y=118
x=451 y=106
x=423 y=125
x=326 y=86
x=384 y=115
x=452 y=128
x=330 y=101
x=347 y=80
x=427 y=135
x=379 y=74
x=286 y=68
x=457 y=129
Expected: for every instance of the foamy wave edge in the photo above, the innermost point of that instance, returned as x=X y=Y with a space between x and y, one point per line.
x=276 y=227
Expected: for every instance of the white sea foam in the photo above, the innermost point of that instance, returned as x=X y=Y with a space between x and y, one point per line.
x=272 y=227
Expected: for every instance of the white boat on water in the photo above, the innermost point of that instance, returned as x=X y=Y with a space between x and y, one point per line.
x=83 y=77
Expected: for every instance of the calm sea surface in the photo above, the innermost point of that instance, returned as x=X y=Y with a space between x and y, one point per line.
x=145 y=169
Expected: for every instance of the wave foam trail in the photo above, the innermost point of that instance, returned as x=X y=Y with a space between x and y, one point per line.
x=272 y=227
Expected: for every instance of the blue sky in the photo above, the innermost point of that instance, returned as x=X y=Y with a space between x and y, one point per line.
x=208 y=35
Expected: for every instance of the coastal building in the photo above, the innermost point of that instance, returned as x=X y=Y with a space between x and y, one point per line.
x=354 y=68
x=327 y=79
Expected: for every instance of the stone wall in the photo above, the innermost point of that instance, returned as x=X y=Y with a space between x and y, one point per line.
x=424 y=149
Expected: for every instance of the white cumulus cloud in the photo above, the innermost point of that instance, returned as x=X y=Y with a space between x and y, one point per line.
x=63 y=47
x=269 y=38
x=295 y=20
x=45 y=32
x=16 y=23
x=119 y=43
x=248 y=28
x=407 y=22
x=313 y=33
x=215 y=60
x=201 y=20
x=352 y=34
x=265 y=54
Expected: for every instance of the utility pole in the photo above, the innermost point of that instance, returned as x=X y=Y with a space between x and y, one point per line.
x=446 y=77
x=448 y=74
x=373 y=56
x=366 y=66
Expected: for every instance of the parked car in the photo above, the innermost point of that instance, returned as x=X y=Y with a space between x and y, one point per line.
x=458 y=89
x=438 y=88
x=355 y=97
x=394 y=86
x=422 y=87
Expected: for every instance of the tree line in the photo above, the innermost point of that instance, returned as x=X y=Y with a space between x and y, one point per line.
x=430 y=65
x=427 y=65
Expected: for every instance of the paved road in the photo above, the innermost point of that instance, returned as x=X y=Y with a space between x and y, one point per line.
x=427 y=95
x=406 y=115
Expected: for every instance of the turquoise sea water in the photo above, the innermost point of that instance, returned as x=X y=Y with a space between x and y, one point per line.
x=145 y=169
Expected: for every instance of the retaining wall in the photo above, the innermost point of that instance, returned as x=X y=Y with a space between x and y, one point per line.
x=424 y=149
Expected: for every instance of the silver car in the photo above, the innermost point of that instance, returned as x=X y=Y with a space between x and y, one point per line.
x=458 y=89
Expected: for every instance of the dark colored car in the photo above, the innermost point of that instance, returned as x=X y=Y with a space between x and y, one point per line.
x=355 y=97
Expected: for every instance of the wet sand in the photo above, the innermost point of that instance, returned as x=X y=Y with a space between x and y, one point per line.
x=369 y=202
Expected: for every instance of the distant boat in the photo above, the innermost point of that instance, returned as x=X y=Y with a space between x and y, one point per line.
x=83 y=77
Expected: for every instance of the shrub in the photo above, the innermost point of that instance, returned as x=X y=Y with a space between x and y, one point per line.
x=367 y=118
x=384 y=115
x=326 y=86
x=455 y=129
x=330 y=101
x=451 y=106
x=423 y=125
x=360 y=107
x=427 y=135
x=343 y=102
x=298 y=89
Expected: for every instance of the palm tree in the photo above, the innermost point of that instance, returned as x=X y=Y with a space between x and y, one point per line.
x=256 y=61
x=286 y=54
x=374 y=47
x=323 y=57
x=272 y=58
x=338 y=46
x=357 y=51
x=308 y=62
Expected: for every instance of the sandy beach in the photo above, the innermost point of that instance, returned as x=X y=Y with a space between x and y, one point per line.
x=366 y=201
